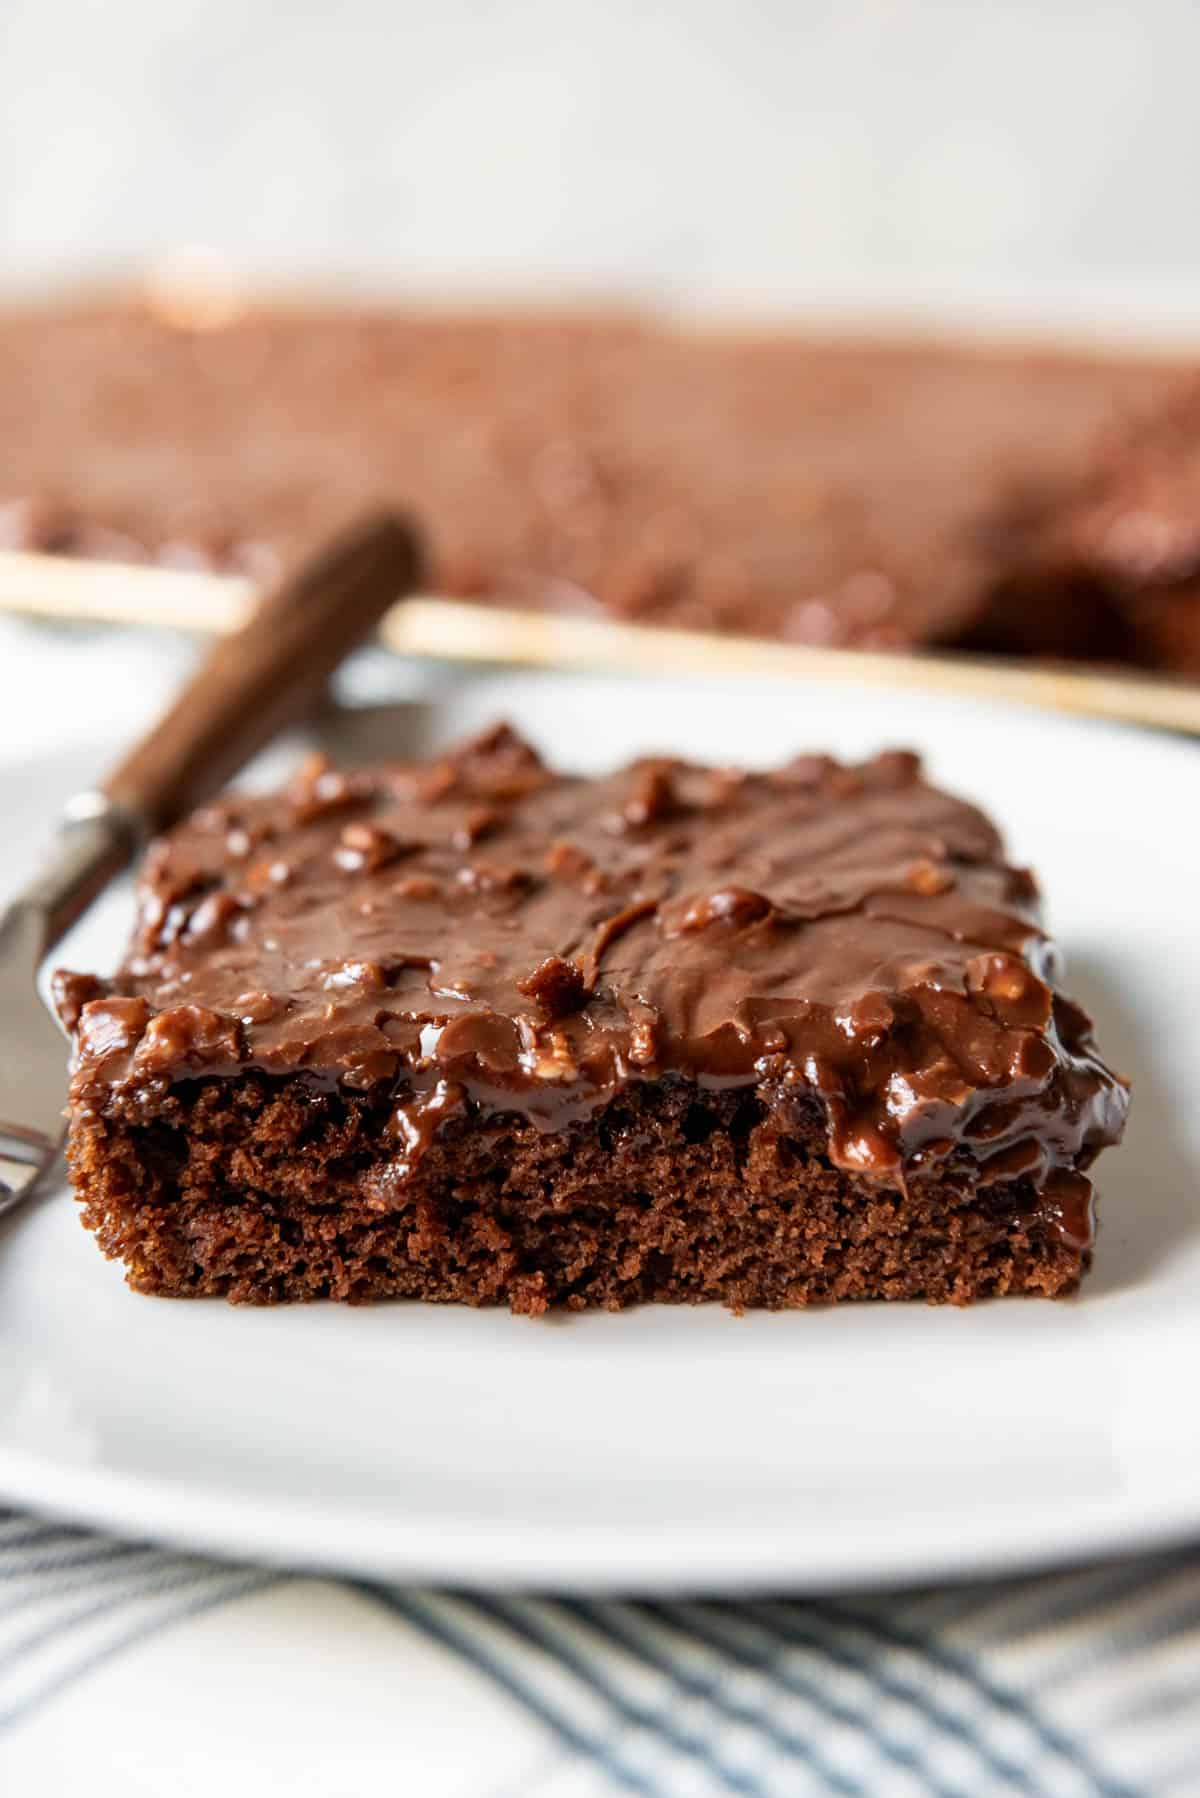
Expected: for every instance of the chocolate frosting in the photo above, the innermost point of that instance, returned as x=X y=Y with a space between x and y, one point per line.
x=483 y=930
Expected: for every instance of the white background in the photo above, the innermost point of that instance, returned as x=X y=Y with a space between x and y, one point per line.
x=766 y=154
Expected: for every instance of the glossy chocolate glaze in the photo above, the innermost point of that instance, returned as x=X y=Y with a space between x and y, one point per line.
x=481 y=930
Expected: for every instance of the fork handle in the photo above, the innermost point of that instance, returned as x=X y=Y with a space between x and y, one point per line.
x=250 y=686
x=258 y=680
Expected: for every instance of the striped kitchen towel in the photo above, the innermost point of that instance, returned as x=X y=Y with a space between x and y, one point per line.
x=130 y=1669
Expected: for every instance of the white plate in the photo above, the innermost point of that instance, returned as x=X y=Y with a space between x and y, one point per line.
x=688 y=1448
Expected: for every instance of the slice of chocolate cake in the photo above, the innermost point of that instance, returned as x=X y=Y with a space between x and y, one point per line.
x=474 y=1030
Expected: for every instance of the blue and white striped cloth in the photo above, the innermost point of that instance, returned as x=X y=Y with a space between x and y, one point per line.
x=131 y=1669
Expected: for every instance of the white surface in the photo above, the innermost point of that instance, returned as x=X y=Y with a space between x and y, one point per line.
x=686 y=1447
x=756 y=155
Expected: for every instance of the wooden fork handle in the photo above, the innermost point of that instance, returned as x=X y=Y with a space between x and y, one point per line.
x=256 y=681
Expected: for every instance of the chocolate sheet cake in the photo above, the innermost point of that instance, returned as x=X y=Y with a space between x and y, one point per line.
x=796 y=486
x=475 y=1030
x=1128 y=536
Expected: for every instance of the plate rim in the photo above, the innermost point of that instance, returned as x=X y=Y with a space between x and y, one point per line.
x=423 y=1549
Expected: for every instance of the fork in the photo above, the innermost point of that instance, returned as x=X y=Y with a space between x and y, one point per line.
x=249 y=687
